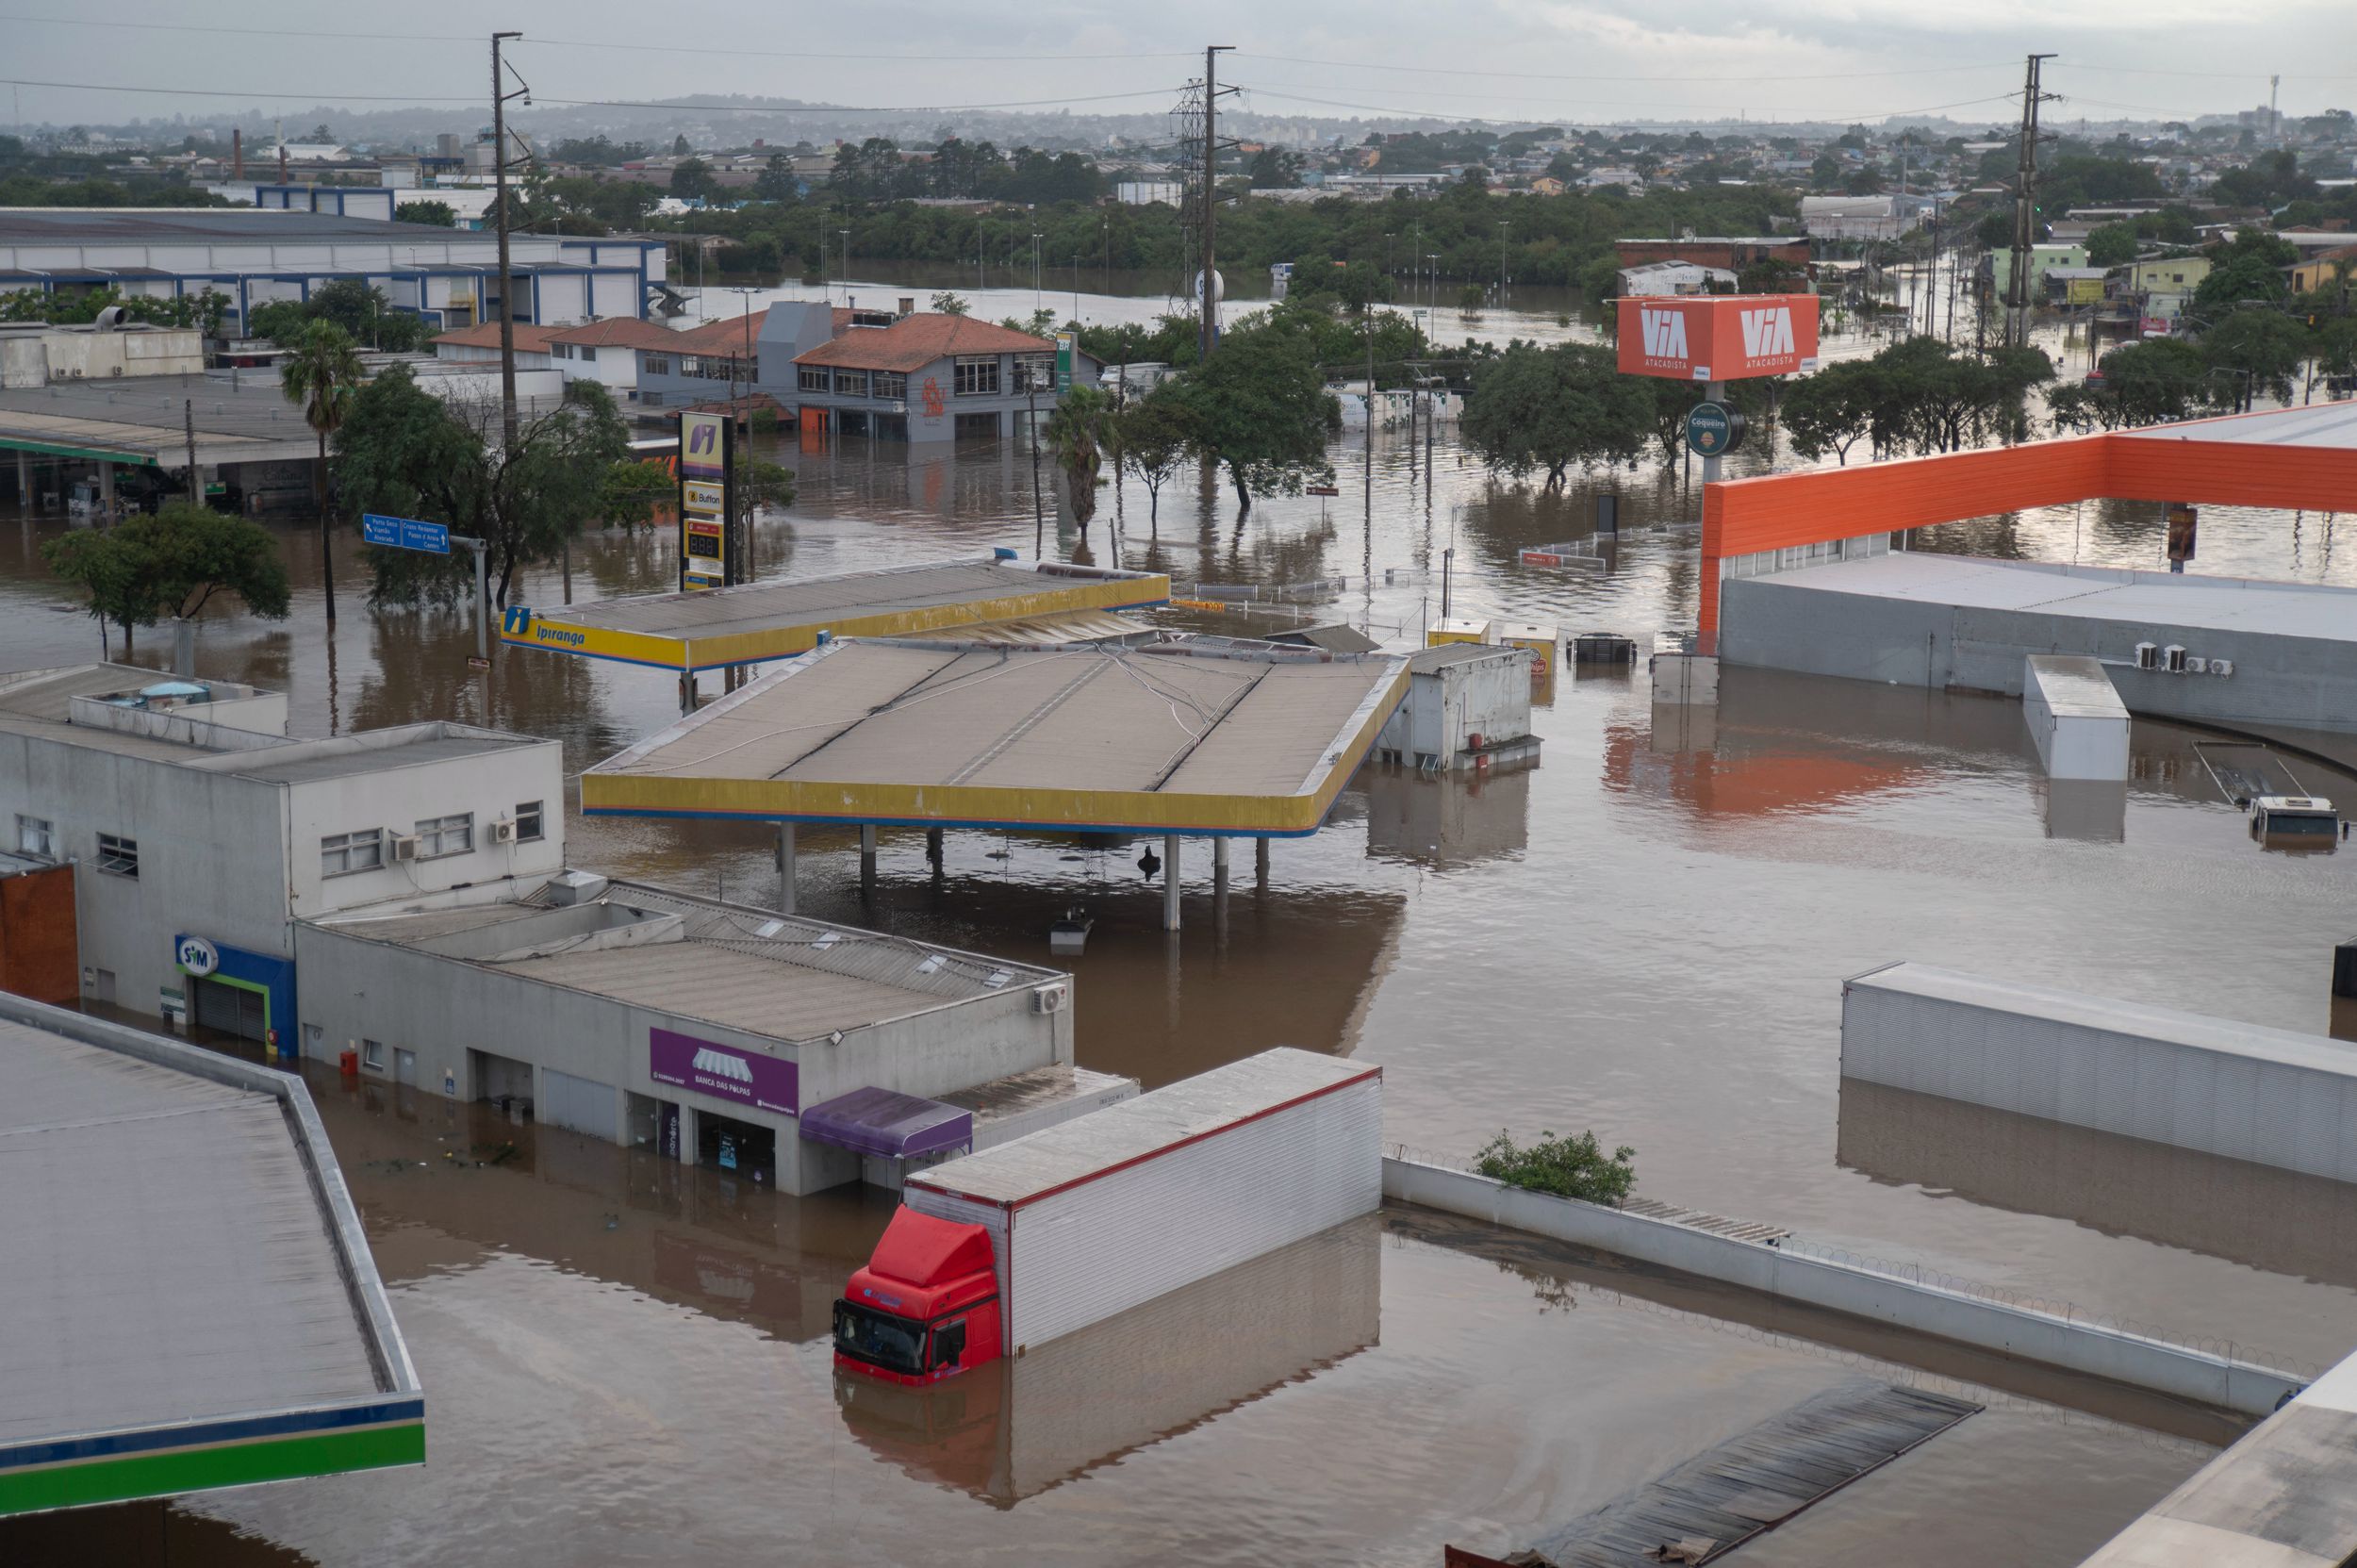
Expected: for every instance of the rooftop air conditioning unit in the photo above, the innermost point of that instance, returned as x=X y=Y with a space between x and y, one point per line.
x=2147 y=655
x=503 y=832
x=1051 y=998
x=2221 y=667
x=2197 y=664
x=404 y=846
x=2173 y=658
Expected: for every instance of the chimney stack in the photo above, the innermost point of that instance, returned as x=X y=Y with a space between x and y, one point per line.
x=908 y=305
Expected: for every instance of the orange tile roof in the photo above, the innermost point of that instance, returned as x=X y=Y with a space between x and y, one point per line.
x=731 y=335
x=913 y=343
x=529 y=338
x=616 y=332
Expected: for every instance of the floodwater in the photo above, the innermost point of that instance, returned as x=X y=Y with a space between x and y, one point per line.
x=1644 y=935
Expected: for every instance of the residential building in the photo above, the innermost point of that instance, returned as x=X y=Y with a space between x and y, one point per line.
x=2160 y=286
x=608 y=352
x=2041 y=258
x=929 y=377
x=1546 y=185
x=198 y=832
x=254 y=255
x=2323 y=269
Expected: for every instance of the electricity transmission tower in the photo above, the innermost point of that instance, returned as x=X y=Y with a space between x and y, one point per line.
x=2025 y=211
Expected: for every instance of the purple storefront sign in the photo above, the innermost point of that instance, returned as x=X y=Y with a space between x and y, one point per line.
x=724 y=1072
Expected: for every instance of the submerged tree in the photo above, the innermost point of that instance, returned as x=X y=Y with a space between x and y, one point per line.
x=1260 y=406
x=408 y=453
x=171 y=565
x=1078 y=431
x=1552 y=408
x=1153 y=437
x=322 y=377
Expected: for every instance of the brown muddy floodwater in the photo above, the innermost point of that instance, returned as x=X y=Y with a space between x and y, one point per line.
x=1645 y=936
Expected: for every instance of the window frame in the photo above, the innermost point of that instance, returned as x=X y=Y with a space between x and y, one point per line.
x=118 y=856
x=849 y=382
x=434 y=830
x=345 y=845
x=966 y=384
x=891 y=386
x=46 y=830
x=814 y=378
x=372 y=1055
x=1034 y=372
x=535 y=813
x=656 y=364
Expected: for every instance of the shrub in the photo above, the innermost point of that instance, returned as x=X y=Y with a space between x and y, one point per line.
x=1568 y=1167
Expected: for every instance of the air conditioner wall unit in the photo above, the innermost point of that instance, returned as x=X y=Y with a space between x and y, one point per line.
x=503 y=832
x=2147 y=655
x=404 y=846
x=2173 y=658
x=1051 y=998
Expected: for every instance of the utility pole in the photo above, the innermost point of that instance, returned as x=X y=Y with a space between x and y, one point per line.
x=499 y=206
x=2024 y=212
x=2275 y=120
x=1505 y=228
x=1208 y=328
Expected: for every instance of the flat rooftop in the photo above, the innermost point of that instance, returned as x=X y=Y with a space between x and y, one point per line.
x=1229 y=738
x=780 y=976
x=189 y=1300
x=145 y=225
x=2075 y=685
x=1016 y=1173
x=2095 y=593
x=2317 y=424
x=756 y=622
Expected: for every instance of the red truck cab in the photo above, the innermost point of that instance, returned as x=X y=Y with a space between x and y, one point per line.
x=925 y=1308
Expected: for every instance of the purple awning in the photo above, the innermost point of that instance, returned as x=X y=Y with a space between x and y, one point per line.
x=886 y=1122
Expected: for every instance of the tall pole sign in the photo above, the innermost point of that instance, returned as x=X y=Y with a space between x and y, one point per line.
x=706 y=464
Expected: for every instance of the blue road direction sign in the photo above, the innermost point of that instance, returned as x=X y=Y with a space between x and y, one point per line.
x=405 y=534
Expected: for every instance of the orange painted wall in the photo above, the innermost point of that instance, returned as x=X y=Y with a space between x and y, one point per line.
x=1783 y=510
x=40 y=952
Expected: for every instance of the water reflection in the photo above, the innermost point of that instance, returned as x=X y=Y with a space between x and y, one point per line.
x=2279 y=1220
x=1013 y=1427
x=1449 y=821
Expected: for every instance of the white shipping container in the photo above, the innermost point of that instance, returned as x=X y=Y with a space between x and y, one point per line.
x=1114 y=1209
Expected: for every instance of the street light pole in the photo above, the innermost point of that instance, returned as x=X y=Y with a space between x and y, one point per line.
x=499 y=206
x=1039 y=294
x=1039 y=514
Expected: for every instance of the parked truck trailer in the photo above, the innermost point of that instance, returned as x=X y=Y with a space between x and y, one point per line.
x=1006 y=1249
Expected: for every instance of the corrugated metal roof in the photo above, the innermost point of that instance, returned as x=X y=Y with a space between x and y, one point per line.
x=2320 y=424
x=780 y=976
x=2314 y=1051
x=166 y=1255
x=1251 y=725
x=1016 y=1173
x=762 y=606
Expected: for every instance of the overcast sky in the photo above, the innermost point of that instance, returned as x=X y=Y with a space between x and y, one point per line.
x=1573 y=61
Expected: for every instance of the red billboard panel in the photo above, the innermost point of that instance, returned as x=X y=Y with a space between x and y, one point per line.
x=1717 y=336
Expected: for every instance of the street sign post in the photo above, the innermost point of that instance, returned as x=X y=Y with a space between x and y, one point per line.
x=434 y=538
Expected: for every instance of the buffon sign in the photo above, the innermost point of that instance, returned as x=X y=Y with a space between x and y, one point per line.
x=1717 y=336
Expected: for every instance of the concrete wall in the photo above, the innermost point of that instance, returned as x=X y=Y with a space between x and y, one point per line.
x=82 y=355
x=213 y=853
x=491 y=786
x=357 y=988
x=2263 y=1094
x=2303 y=681
x=1925 y=1309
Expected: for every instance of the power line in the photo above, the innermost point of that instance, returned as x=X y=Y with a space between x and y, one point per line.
x=328 y=100
x=572 y=42
x=1474 y=119
x=1624 y=76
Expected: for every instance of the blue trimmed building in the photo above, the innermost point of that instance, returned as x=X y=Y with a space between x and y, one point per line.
x=257 y=254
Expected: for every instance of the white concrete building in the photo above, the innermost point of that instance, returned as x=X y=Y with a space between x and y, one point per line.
x=200 y=833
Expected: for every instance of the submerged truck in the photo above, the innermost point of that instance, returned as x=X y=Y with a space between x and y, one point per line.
x=1006 y=1249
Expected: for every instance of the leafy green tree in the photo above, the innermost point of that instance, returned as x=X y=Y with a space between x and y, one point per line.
x=2270 y=180
x=280 y=321
x=692 y=180
x=1551 y=408
x=2257 y=351
x=321 y=375
x=776 y=181
x=1260 y=409
x=2249 y=267
x=2112 y=245
x=172 y=564
x=1153 y=437
x=406 y=451
x=948 y=303
x=1274 y=169
x=1078 y=432
x=1830 y=410
x=2158 y=381
x=1567 y=1168
x=440 y=215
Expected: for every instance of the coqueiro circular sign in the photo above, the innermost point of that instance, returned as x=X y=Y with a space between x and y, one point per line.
x=1713 y=428
x=196 y=956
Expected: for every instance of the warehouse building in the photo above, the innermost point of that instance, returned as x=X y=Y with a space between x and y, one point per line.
x=257 y=254
x=786 y=1050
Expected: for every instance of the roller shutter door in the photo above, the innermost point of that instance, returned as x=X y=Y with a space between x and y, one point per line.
x=583 y=1104
x=231 y=1009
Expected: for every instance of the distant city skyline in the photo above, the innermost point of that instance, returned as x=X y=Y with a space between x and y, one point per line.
x=1583 y=61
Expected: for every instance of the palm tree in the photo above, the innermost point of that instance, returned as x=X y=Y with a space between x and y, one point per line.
x=1076 y=430
x=322 y=374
